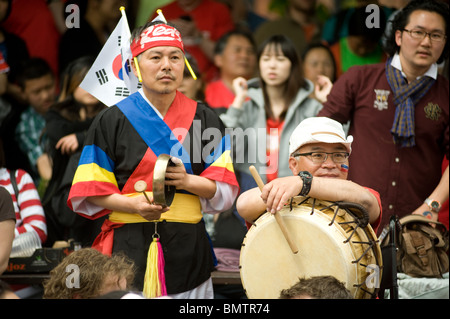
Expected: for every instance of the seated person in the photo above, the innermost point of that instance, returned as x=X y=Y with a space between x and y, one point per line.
x=319 y=154
x=87 y=273
x=317 y=287
x=7 y=225
x=27 y=207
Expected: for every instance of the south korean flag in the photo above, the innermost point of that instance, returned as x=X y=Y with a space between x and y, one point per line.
x=110 y=78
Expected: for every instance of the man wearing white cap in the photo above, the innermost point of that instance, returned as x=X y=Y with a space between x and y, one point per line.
x=122 y=148
x=318 y=159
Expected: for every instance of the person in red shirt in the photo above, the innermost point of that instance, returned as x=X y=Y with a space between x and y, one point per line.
x=29 y=214
x=235 y=56
x=34 y=23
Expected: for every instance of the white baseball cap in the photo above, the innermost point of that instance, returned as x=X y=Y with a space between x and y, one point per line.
x=317 y=130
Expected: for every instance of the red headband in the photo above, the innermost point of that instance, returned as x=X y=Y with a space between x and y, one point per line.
x=155 y=36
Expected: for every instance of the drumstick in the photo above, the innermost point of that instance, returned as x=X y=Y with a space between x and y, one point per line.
x=141 y=187
x=277 y=215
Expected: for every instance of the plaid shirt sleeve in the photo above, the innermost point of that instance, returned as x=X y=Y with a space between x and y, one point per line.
x=28 y=133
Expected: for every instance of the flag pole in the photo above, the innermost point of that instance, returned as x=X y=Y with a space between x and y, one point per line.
x=122 y=10
x=159 y=12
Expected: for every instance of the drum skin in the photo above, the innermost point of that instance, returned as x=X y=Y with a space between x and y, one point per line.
x=268 y=265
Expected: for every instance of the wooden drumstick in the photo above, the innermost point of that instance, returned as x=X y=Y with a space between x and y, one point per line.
x=141 y=187
x=277 y=215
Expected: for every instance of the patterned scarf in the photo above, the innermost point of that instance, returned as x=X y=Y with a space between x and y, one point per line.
x=406 y=95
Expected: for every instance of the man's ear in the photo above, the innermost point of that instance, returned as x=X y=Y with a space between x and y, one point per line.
x=398 y=37
x=133 y=67
x=293 y=165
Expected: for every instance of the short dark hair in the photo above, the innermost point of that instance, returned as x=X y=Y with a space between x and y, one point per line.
x=402 y=19
x=31 y=69
x=222 y=42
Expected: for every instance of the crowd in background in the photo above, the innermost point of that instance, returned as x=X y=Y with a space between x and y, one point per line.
x=45 y=114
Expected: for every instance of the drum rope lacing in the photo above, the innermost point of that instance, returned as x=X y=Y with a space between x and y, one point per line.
x=359 y=221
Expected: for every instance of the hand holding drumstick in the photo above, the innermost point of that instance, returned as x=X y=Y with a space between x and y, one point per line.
x=277 y=215
x=152 y=212
x=141 y=187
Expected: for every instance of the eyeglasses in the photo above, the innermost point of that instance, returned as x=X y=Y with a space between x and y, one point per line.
x=420 y=35
x=321 y=157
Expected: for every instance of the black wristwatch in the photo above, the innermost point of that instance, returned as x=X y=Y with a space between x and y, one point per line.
x=307 y=180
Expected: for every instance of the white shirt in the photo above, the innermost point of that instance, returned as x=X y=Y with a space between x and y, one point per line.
x=432 y=72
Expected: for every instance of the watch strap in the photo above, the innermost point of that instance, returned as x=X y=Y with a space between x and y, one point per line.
x=307 y=180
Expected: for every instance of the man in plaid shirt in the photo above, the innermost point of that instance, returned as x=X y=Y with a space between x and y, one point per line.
x=38 y=86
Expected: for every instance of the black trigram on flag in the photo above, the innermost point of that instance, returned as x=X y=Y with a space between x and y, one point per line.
x=122 y=91
x=127 y=65
x=119 y=41
x=101 y=76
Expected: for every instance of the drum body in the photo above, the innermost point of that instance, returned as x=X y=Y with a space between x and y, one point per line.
x=329 y=243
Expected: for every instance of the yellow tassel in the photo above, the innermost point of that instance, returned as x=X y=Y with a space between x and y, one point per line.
x=152 y=286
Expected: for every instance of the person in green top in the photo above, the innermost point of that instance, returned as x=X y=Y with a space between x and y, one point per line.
x=362 y=45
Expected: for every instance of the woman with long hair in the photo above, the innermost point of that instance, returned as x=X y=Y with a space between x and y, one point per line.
x=268 y=109
x=66 y=125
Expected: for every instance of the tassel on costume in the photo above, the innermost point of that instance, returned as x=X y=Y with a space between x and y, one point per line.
x=154 y=280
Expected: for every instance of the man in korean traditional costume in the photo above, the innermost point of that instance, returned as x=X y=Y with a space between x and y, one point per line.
x=169 y=244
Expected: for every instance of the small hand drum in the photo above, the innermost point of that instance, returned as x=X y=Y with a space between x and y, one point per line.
x=331 y=241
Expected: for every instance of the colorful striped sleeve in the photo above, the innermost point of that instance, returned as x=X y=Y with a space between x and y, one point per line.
x=219 y=165
x=94 y=177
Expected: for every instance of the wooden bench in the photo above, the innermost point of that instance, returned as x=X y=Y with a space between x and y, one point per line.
x=226 y=278
x=218 y=278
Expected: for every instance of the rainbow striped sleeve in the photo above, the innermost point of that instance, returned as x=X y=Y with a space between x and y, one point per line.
x=219 y=166
x=94 y=177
